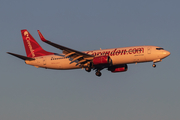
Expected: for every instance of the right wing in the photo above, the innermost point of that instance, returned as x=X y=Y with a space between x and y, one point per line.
x=82 y=58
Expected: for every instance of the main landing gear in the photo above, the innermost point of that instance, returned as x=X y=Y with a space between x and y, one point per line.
x=154 y=65
x=88 y=69
x=98 y=73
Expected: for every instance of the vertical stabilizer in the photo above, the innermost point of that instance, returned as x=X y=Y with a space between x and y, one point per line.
x=33 y=49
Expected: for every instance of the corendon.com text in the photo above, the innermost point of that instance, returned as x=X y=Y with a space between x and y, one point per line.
x=117 y=52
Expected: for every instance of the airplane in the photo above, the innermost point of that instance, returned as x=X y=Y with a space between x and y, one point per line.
x=114 y=59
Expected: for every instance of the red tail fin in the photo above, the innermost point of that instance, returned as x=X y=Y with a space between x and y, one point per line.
x=33 y=49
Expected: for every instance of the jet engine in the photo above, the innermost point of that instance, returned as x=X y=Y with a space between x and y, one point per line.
x=118 y=68
x=102 y=60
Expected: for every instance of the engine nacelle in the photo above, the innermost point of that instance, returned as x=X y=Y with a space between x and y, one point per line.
x=102 y=60
x=118 y=68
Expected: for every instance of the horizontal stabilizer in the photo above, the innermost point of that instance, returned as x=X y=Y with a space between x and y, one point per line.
x=20 y=56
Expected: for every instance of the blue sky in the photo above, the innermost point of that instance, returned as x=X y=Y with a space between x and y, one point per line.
x=141 y=93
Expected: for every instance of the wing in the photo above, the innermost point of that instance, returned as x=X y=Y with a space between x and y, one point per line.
x=82 y=58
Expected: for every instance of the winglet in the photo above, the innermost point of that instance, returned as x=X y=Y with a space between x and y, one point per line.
x=41 y=36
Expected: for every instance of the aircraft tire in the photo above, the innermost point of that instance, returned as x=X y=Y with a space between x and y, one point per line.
x=154 y=65
x=98 y=73
x=88 y=69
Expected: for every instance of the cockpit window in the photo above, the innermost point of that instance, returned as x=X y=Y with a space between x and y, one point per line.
x=159 y=48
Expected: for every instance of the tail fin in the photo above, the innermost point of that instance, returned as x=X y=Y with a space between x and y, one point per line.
x=33 y=49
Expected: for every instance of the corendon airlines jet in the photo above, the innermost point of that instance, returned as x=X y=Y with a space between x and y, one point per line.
x=115 y=59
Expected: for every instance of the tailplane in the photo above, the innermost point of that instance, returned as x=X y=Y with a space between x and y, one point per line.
x=33 y=49
x=21 y=56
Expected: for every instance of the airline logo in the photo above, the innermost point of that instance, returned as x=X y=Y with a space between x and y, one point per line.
x=117 y=52
x=26 y=35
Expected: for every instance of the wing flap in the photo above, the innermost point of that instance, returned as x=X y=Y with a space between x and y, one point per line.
x=77 y=58
x=69 y=54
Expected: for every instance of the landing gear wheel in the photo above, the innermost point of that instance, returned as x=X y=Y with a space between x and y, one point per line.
x=98 y=73
x=88 y=69
x=154 y=65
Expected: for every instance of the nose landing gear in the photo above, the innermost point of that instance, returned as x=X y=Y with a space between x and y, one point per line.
x=155 y=61
x=154 y=65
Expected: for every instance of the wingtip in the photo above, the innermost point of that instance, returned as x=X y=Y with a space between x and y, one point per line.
x=9 y=53
x=41 y=36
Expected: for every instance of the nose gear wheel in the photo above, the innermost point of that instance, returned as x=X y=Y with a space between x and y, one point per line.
x=154 y=65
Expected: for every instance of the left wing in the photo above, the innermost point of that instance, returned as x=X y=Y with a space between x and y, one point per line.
x=83 y=58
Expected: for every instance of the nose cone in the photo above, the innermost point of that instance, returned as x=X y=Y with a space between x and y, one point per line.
x=166 y=53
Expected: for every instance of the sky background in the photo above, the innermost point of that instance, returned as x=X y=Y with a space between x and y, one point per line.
x=141 y=93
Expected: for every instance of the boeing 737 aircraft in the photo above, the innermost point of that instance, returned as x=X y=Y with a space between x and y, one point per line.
x=115 y=59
